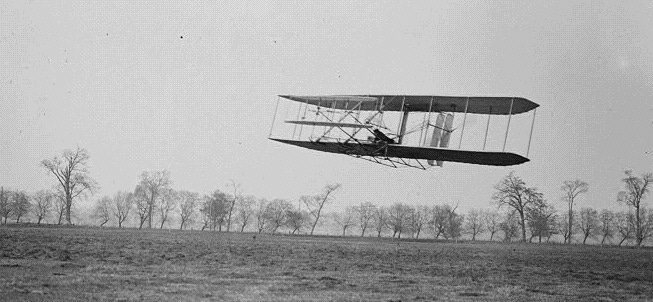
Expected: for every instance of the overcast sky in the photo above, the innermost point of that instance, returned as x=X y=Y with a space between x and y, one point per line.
x=191 y=87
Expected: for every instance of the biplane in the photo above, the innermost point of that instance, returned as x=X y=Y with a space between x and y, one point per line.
x=354 y=125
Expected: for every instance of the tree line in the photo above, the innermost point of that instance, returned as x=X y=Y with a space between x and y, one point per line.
x=521 y=212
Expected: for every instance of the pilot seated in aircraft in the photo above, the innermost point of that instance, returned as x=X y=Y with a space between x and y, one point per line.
x=380 y=137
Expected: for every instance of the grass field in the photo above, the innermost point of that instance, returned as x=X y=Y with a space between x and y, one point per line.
x=84 y=264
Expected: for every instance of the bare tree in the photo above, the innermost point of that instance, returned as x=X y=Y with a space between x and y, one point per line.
x=236 y=197
x=607 y=221
x=418 y=218
x=142 y=201
x=276 y=212
x=588 y=222
x=20 y=205
x=43 y=200
x=215 y=209
x=261 y=215
x=60 y=206
x=636 y=189
x=122 y=204
x=153 y=184
x=71 y=171
x=187 y=205
x=380 y=220
x=102 y=210
x=5 y=204
x=625 y=223
x=564 y=228
x=474 y=222
x=245 y=210
x=364 y=214
x=512 y=191
x=541 y=219
x=510 y=226
x=345 y=219
x=315 y=203
x=491 y=220
x=168 y=199
x=454 y=223
x=296 y=219
x=398 y=215
x=572 y=189
x=441 y=217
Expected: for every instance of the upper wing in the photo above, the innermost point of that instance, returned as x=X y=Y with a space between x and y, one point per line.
x=478 y=105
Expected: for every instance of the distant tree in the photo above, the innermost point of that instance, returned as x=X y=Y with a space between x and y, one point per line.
x=606 y=225
x=512 y=191
x=43 y=201
x=510 y=226
x=365 y=215
x=5 y=204
x=454 y=223
x=187 y=206
x=233 y=201
x=316 y=203
x=564 y=228
x=418 y=218
x=60 y=206
x=245 y=210
x=122 y=205
x=71 y=171
x=636 y=189
x=380 y=220
x=345 y=219
x=541 y=219
x=439 y=220
x=474 y=223
x=276 y=212
x=296 y=219
x=398 y=215
x=151 y=186
x=142 y=202
x=492 y=220
x=572 y=189
x=215 y=208
x=261 y=215
x=20 y=205
x=102 y=210
x=625 y=223
x=588 y=222
x=168 y=200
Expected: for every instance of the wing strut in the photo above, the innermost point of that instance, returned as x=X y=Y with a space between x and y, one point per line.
x=487 y=128
x=275 y=115
x=531 y=135
x=508 y=126
x=464 y=120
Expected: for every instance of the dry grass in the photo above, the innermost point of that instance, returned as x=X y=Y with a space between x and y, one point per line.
x=81 y=263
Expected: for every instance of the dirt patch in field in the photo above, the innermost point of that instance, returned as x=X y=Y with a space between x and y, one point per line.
x=78 y=263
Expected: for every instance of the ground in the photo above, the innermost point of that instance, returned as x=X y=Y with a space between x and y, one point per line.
x=95 y=264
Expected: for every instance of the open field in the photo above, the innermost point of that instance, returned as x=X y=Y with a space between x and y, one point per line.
x=83 y=264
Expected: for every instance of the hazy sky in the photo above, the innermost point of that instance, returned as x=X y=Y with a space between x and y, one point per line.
x=191 y=87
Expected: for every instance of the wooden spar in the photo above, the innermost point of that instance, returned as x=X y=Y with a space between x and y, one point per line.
x=508 y=126
x=487 y=128
x=464 y=121
x=531 y=135
x=275 y=115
